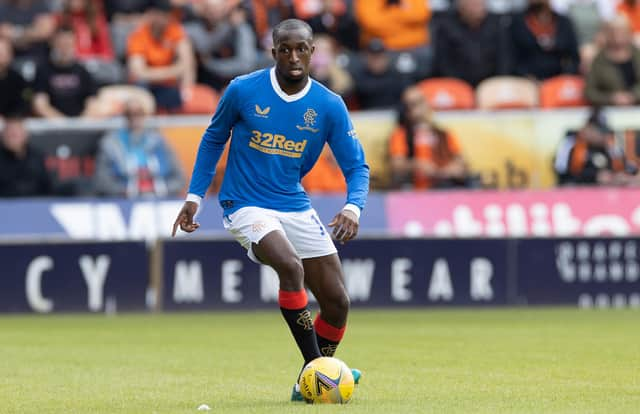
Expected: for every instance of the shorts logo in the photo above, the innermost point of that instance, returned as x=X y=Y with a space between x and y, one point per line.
x=309 y=118
x=262 y=113
x=258 y=226
x=304 y=320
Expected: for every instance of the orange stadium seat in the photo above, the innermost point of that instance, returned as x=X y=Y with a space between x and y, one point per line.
x=200 y=99
x=562 y=91
x=447 y=93
x=507 y=92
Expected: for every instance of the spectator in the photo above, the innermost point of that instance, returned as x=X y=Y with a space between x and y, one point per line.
x=89 y=24
x=325 y=176
x=544 y=42
x=265 y=14
x=161 y=57
x=12 y=86
x=378 y=84
x=29 y=24
x=587 y=16
x=326 y=70
x=400 y=24
x=424 y=155
x=224 y=42
x=471 y=44
x=124 y=16
x=331 y=17
x=135 y=161
x=22 y=168
x=614 y=78
x=591 y=157
x=63 y=87
x=631 y=9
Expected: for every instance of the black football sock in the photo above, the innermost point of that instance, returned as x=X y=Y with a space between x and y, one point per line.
x=294 y=309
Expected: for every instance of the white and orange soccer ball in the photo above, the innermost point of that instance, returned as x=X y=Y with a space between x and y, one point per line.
x=326 y=380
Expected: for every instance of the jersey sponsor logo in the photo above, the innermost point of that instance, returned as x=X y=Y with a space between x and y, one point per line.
x=276 y=144
x=309 y=119
x=262 y=113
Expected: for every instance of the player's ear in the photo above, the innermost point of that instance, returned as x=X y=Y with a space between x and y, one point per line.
x=273 y=53
x=313 y=48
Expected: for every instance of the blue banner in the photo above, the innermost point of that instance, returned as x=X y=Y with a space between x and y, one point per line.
x=206 y=274
x=602 y=272
x=94 y=277
x=112 y=219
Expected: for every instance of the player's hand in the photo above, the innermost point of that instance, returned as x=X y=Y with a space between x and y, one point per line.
x=185 y=218
x=345 y=226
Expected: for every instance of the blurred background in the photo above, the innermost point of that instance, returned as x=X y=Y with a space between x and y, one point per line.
x=502 y=138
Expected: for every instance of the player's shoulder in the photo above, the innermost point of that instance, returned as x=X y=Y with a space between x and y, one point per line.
x=326 y=95
x=244 y=85
x=251 y=80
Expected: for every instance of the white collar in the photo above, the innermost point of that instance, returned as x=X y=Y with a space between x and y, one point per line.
x=285 y=97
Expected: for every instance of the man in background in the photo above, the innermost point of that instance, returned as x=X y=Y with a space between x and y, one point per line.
x=160 y=57
x=224 y=42
x=12 y=86
x=135 y=161
x=591 y=156
x=22 y=168
x=63 y=87
x=471 y=44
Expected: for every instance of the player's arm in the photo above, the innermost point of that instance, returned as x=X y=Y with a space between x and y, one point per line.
x=350 y=156
x=211 y=146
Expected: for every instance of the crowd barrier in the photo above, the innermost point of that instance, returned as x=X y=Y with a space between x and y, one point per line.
x=209 y=274
x=507 y=149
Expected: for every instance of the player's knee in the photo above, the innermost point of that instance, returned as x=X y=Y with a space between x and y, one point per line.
x=342 y=304
x=291 y=273
x=336 y=309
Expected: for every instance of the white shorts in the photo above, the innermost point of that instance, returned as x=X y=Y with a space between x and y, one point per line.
x=303 y=229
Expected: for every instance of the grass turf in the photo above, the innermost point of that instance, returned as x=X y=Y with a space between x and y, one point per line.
x=414 y=361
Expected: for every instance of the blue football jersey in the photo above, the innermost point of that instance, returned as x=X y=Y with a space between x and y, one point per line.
x=275 y=140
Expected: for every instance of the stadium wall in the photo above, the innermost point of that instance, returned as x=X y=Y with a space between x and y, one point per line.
x=213 y=274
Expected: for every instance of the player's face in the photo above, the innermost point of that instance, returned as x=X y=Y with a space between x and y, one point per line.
x=292 y=54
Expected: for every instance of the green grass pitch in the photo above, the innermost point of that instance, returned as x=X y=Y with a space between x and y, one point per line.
x=414 y=361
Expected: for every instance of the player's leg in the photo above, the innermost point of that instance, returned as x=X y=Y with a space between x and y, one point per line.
x=275 y=250
x=324 y=277
x=261 y=233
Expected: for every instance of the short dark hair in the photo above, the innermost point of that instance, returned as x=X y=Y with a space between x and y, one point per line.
x=290 y=24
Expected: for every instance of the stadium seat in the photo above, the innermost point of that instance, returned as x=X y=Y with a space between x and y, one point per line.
x=447 y=93
x=200 y=99
x=562 y=91
x=111 y=99
x=507 y=92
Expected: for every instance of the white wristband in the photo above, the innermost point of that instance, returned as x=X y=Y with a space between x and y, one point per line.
x=353 y=208
x=194 y=198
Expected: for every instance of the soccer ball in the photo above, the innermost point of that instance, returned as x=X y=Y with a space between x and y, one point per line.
x=326 y=380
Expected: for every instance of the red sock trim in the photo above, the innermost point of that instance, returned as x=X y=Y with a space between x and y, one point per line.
x=327 y=331
x=293 y=300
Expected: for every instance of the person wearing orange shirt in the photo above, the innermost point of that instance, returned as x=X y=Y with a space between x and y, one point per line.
x=325 y=176
x=401 y=24
x=160 y=57
x=424 y=155
x=631 y=9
